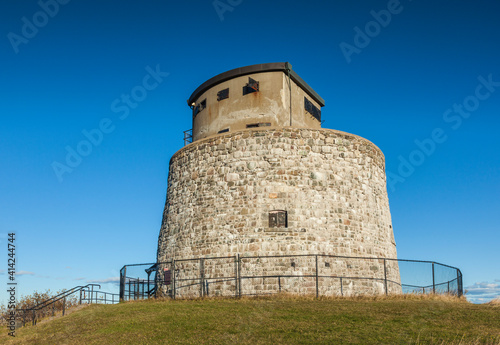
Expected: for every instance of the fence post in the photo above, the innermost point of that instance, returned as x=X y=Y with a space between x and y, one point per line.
x=433 y=280
x=317 y=285
x=143 y=283
x=173 y=279
x=34 y=317
x=136 y=290
x=64 y=305
x=123 y=278
x=341 y=287
x=53 y=308
x=202 y=280
x=279 y=283
x=459 y=284
x=239 y=275
x=385 y=277
x=147 y=291
x=81 y=296
x=235 y=276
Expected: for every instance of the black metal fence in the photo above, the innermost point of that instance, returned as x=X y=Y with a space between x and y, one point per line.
x=318 y=274
x=138 y=281
x=87 y=294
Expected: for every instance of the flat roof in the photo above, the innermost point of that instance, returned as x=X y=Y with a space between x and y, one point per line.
x=259 y=68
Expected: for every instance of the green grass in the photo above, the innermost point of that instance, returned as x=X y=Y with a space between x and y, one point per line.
x=276 y=320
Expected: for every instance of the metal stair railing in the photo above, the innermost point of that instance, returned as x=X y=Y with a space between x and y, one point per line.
x=56 y=298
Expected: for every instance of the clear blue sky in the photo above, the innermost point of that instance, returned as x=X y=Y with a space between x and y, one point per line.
x=65 y=72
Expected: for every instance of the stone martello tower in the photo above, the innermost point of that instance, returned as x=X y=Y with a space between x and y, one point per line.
x=262 y=177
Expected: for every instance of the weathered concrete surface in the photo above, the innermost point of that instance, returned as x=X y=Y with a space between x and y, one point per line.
x=270 y=105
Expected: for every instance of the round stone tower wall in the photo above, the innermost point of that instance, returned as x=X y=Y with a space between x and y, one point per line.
x=330 y=185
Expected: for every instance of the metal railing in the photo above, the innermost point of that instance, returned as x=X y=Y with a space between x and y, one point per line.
x=132 y=286
x=188 y=137
x=87 y=294
x=318 y=274
x=99 y=297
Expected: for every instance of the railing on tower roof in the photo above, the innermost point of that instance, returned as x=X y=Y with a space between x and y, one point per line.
x=188 y=137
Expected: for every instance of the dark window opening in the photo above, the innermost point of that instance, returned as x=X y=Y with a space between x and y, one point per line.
x=222 y=94
x=223 y=131
x=327 y=264
x=260 y=124
x=251 y=86
x=311 y=109
x=278 y=219
x=202 y=105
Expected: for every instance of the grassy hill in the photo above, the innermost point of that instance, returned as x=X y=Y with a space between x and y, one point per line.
x=276 y=320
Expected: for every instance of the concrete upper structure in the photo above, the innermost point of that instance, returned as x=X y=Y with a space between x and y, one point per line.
x=260 y=95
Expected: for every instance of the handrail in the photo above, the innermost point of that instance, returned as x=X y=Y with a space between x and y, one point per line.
x=100 y=298
x=63 y=294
